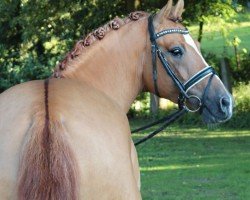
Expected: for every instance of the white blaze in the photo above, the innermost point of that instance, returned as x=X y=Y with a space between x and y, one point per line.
x=191 y=42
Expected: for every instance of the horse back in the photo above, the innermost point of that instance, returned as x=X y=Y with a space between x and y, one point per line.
x=94 y=128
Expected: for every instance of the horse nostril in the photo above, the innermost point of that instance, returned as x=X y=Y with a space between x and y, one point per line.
x=224 y=104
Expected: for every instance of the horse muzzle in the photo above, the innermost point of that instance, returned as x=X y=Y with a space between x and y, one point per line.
x=217 y=111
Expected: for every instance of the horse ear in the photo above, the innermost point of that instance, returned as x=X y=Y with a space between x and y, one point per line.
x=165 y=11
x=177 y=10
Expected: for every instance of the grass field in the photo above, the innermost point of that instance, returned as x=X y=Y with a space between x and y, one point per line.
x=213 y=40
x=195 y=163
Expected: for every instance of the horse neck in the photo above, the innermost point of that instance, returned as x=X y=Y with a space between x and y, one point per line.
x=114 y=65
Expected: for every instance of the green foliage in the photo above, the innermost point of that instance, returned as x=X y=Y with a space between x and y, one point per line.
x=241 y=73
x=241 y=93
x=241 y=117
x=140 y=107
x=206 y=10
x=34 y=35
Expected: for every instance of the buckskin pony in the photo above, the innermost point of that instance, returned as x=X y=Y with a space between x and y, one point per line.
x=68 y=137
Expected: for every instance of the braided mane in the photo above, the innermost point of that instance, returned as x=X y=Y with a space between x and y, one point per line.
x=96 y=35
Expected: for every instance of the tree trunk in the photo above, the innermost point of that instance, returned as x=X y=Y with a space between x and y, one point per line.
x=154 y=105
x=225 y=73
x=133 y=5
x=204 y=6
x=248 y=5
x=237 y=57
x=130 y=4
x=200 y=31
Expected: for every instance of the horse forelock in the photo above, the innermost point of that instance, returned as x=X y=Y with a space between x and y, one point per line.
x=94 y=36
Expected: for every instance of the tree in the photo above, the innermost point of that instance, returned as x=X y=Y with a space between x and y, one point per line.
x=34 y=34
x=208 y=11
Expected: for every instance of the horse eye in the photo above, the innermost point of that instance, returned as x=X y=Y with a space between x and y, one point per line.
x=176 y=52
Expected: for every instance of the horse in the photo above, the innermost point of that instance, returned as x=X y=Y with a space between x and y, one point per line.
x=68 y=137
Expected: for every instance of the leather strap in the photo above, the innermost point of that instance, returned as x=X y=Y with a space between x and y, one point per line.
x=171 y=73
x=198 y=77
x=151 y=31
x=155 y=73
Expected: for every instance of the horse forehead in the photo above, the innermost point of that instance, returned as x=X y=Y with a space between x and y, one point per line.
x=172 y=40
x=189 y=40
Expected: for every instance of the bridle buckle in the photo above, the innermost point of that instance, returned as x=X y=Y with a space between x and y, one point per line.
x=190 y=109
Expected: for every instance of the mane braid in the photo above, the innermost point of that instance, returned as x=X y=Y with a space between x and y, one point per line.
x=96 y=35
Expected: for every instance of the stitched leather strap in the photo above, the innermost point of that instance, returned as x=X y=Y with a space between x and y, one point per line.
x=198 y=77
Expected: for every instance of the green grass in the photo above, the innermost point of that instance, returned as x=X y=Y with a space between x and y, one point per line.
x=195 y=163
x=213 y=40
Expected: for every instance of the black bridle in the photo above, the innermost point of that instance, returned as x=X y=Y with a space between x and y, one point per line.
x=182 y=87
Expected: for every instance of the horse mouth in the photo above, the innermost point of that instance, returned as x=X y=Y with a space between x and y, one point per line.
x=214 y=118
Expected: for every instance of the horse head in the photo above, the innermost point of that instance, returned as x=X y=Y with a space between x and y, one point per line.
x=177 y=70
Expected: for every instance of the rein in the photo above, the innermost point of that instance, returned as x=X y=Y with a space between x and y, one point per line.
x=183 y=87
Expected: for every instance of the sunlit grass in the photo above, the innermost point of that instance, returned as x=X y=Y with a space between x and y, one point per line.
x=175 y=167
x=195 y=163
x=199 y=133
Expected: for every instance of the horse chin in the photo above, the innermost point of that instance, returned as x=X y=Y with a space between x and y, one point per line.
x=209 y=117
